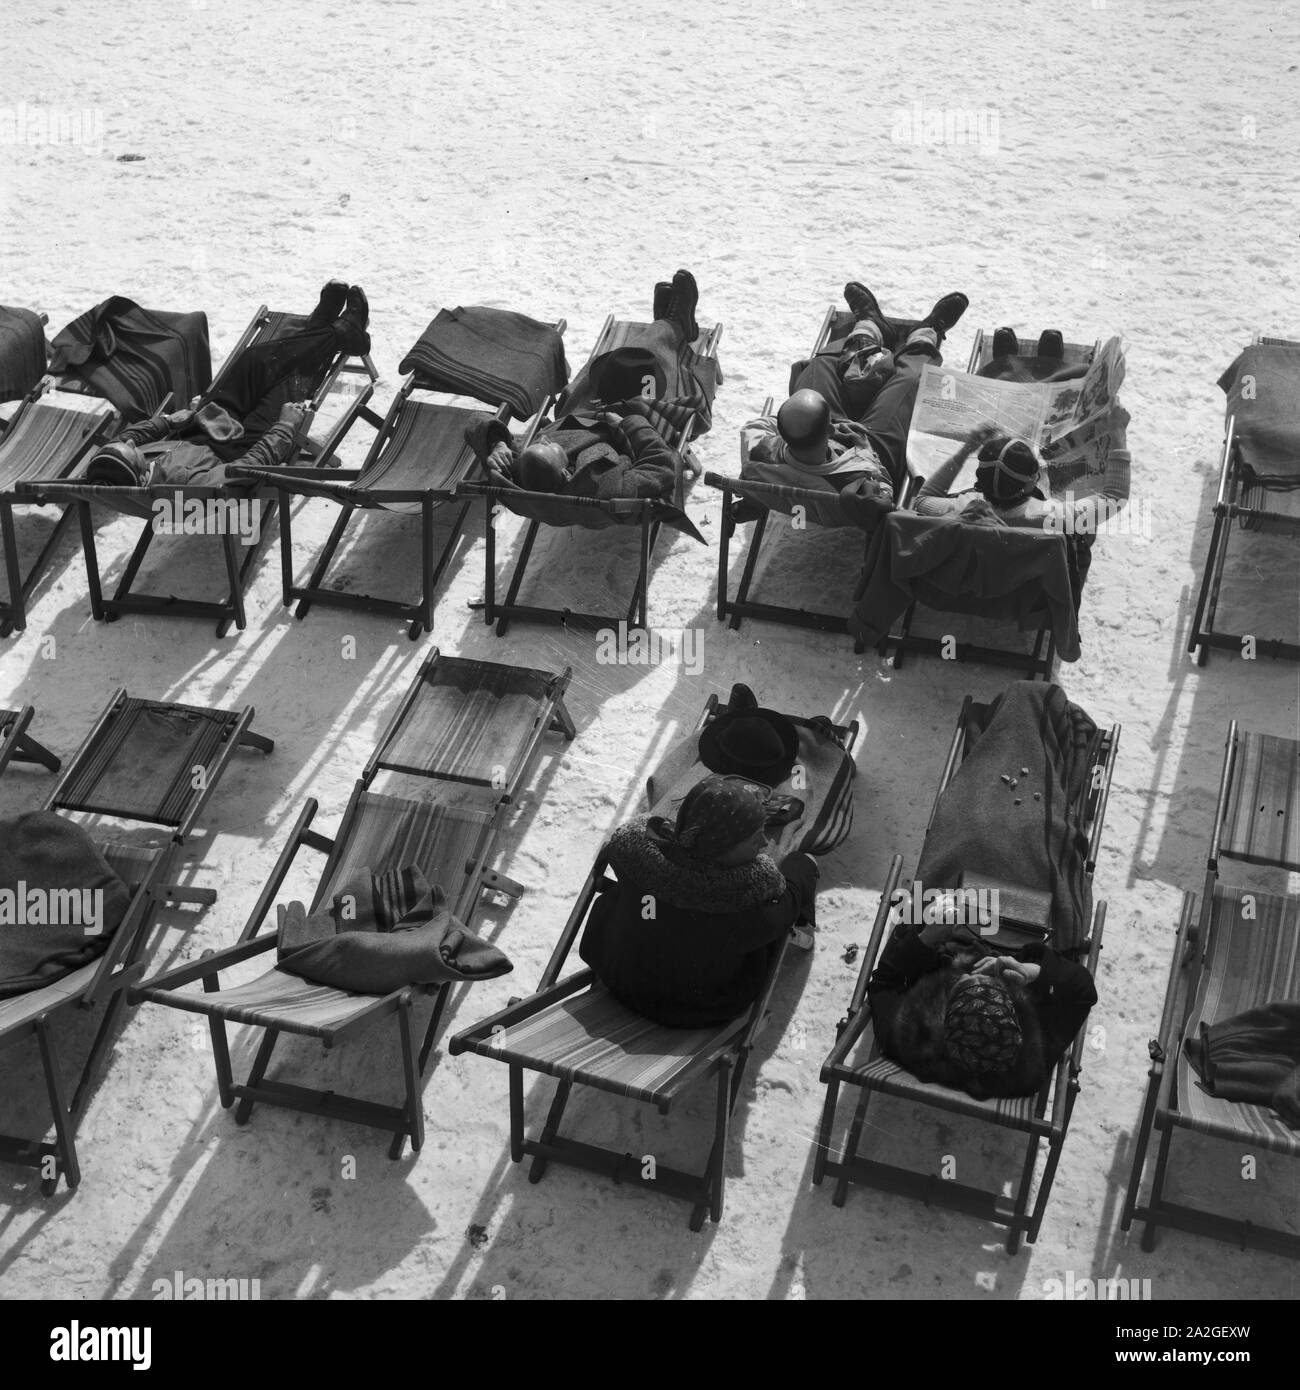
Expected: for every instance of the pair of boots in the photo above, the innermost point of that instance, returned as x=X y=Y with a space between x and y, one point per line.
x=347 y=309
x=945 y=314
x=675 y=303
x=1050 y=343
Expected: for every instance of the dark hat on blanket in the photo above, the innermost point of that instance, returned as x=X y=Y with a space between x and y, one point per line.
x=117 y=465
x=718 y=813
x=981 y=1032
x=757 y=743
x=625 y=373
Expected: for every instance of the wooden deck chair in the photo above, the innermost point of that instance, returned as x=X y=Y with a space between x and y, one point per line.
x=810 y=505
x=450 y=841
x=46 y=440
x=415 y=467
x=1259 y=488
x=857 y=1060
x=17 y=745
x=591 y=514
x=1072 y=355
x=319 y=445
x=573 y=1029
x=111 y=775
x=1249 y=956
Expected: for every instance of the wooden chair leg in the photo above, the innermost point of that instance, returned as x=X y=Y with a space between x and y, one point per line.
x=716 y=1173
x=851 y=1147
x=1150 y=1226
x=552 y=1127
x=414 y=1107
x=516 y=1113
x=64 y=1135
x=260 y=1063
x=822 y=1155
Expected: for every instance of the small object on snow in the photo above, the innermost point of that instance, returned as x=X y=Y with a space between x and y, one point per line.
x=477 y=1236
x=1038 y=796
x=1006 y=778
x=1012 y=782
x=1024 y=772
x=129 y=158
x=850 y=953
x=1016 y=802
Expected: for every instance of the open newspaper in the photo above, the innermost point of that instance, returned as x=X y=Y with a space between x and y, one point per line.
x=1066 y=421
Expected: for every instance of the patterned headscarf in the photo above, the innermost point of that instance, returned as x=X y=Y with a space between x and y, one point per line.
x=981 y=1032
x=718 y=813
x=1008 y=470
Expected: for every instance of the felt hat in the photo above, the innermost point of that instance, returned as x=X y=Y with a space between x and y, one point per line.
x=626 y=373
x=981 y=1032
x=750 y=742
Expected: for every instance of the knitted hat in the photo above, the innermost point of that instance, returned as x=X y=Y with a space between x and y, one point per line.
x=981 y=1032
x=1007 y=471
x=718 y=813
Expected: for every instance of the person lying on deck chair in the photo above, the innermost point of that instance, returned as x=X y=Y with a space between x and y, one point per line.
x=848 y=417
x=655 y=374
x=1006 y=483
x=253 y=417
x=1008 y=364
x=687 y=938
x=606 y=457
x=986 y=1024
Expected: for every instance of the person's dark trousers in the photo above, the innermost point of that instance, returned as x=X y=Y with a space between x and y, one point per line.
x=269 y=375
x=890 y=415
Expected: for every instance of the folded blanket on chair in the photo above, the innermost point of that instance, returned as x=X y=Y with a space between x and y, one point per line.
x=135 y=357
x=1040 y=843
x=22 y=352
x=383 y=932
x=494 y=355
x=960 y=566
x=1253 y=1057
x=1263 y=386
x=60 y=902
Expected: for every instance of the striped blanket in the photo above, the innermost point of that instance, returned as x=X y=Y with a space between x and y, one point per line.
x=22 y=352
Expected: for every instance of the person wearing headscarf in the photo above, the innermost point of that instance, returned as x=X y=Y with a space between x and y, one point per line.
x=687 y=936
x=987 y=1024
x=1006 y=483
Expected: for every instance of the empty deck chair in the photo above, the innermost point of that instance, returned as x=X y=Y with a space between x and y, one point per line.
x=47 y=440
x=17 y=745
x=1259 y=481
x=856 y=1060
x=320 y=444
x=415 y=467
x=590 y=514
x=145 y=762
x=1249 y=956
x=744 y=500
x=573 y=1029
x=463 y=722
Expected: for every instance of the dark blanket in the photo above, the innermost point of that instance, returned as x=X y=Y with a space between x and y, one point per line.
x=494 y=355
x=22 y=352
x=135 y=357
x=1263 y=390
x=963 y=566
x=60 y=902
x=978 y=827
x=1254 y=1058
x=383 y=932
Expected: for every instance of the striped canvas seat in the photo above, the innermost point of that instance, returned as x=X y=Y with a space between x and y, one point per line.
x=425 y=452
x=142 y=766
x=1262 y=822
x=470 y=721
x=1025 y=1113
x=45 y=442
x=593 y=1039
x=1252 y=961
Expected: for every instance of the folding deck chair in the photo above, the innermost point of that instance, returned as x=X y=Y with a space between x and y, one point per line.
x=109 y=776
x=574 y=1030
x=817 y=506
x=47 y=440
x=415 y=467
x=857 y=1060
x=17 y=745
x=473 y=723
x=139 y=502
x=1260 y=466
x=586 y=513
x=1249 y=955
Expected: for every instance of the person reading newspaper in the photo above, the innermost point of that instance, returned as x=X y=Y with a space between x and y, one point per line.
x=1007 y=477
